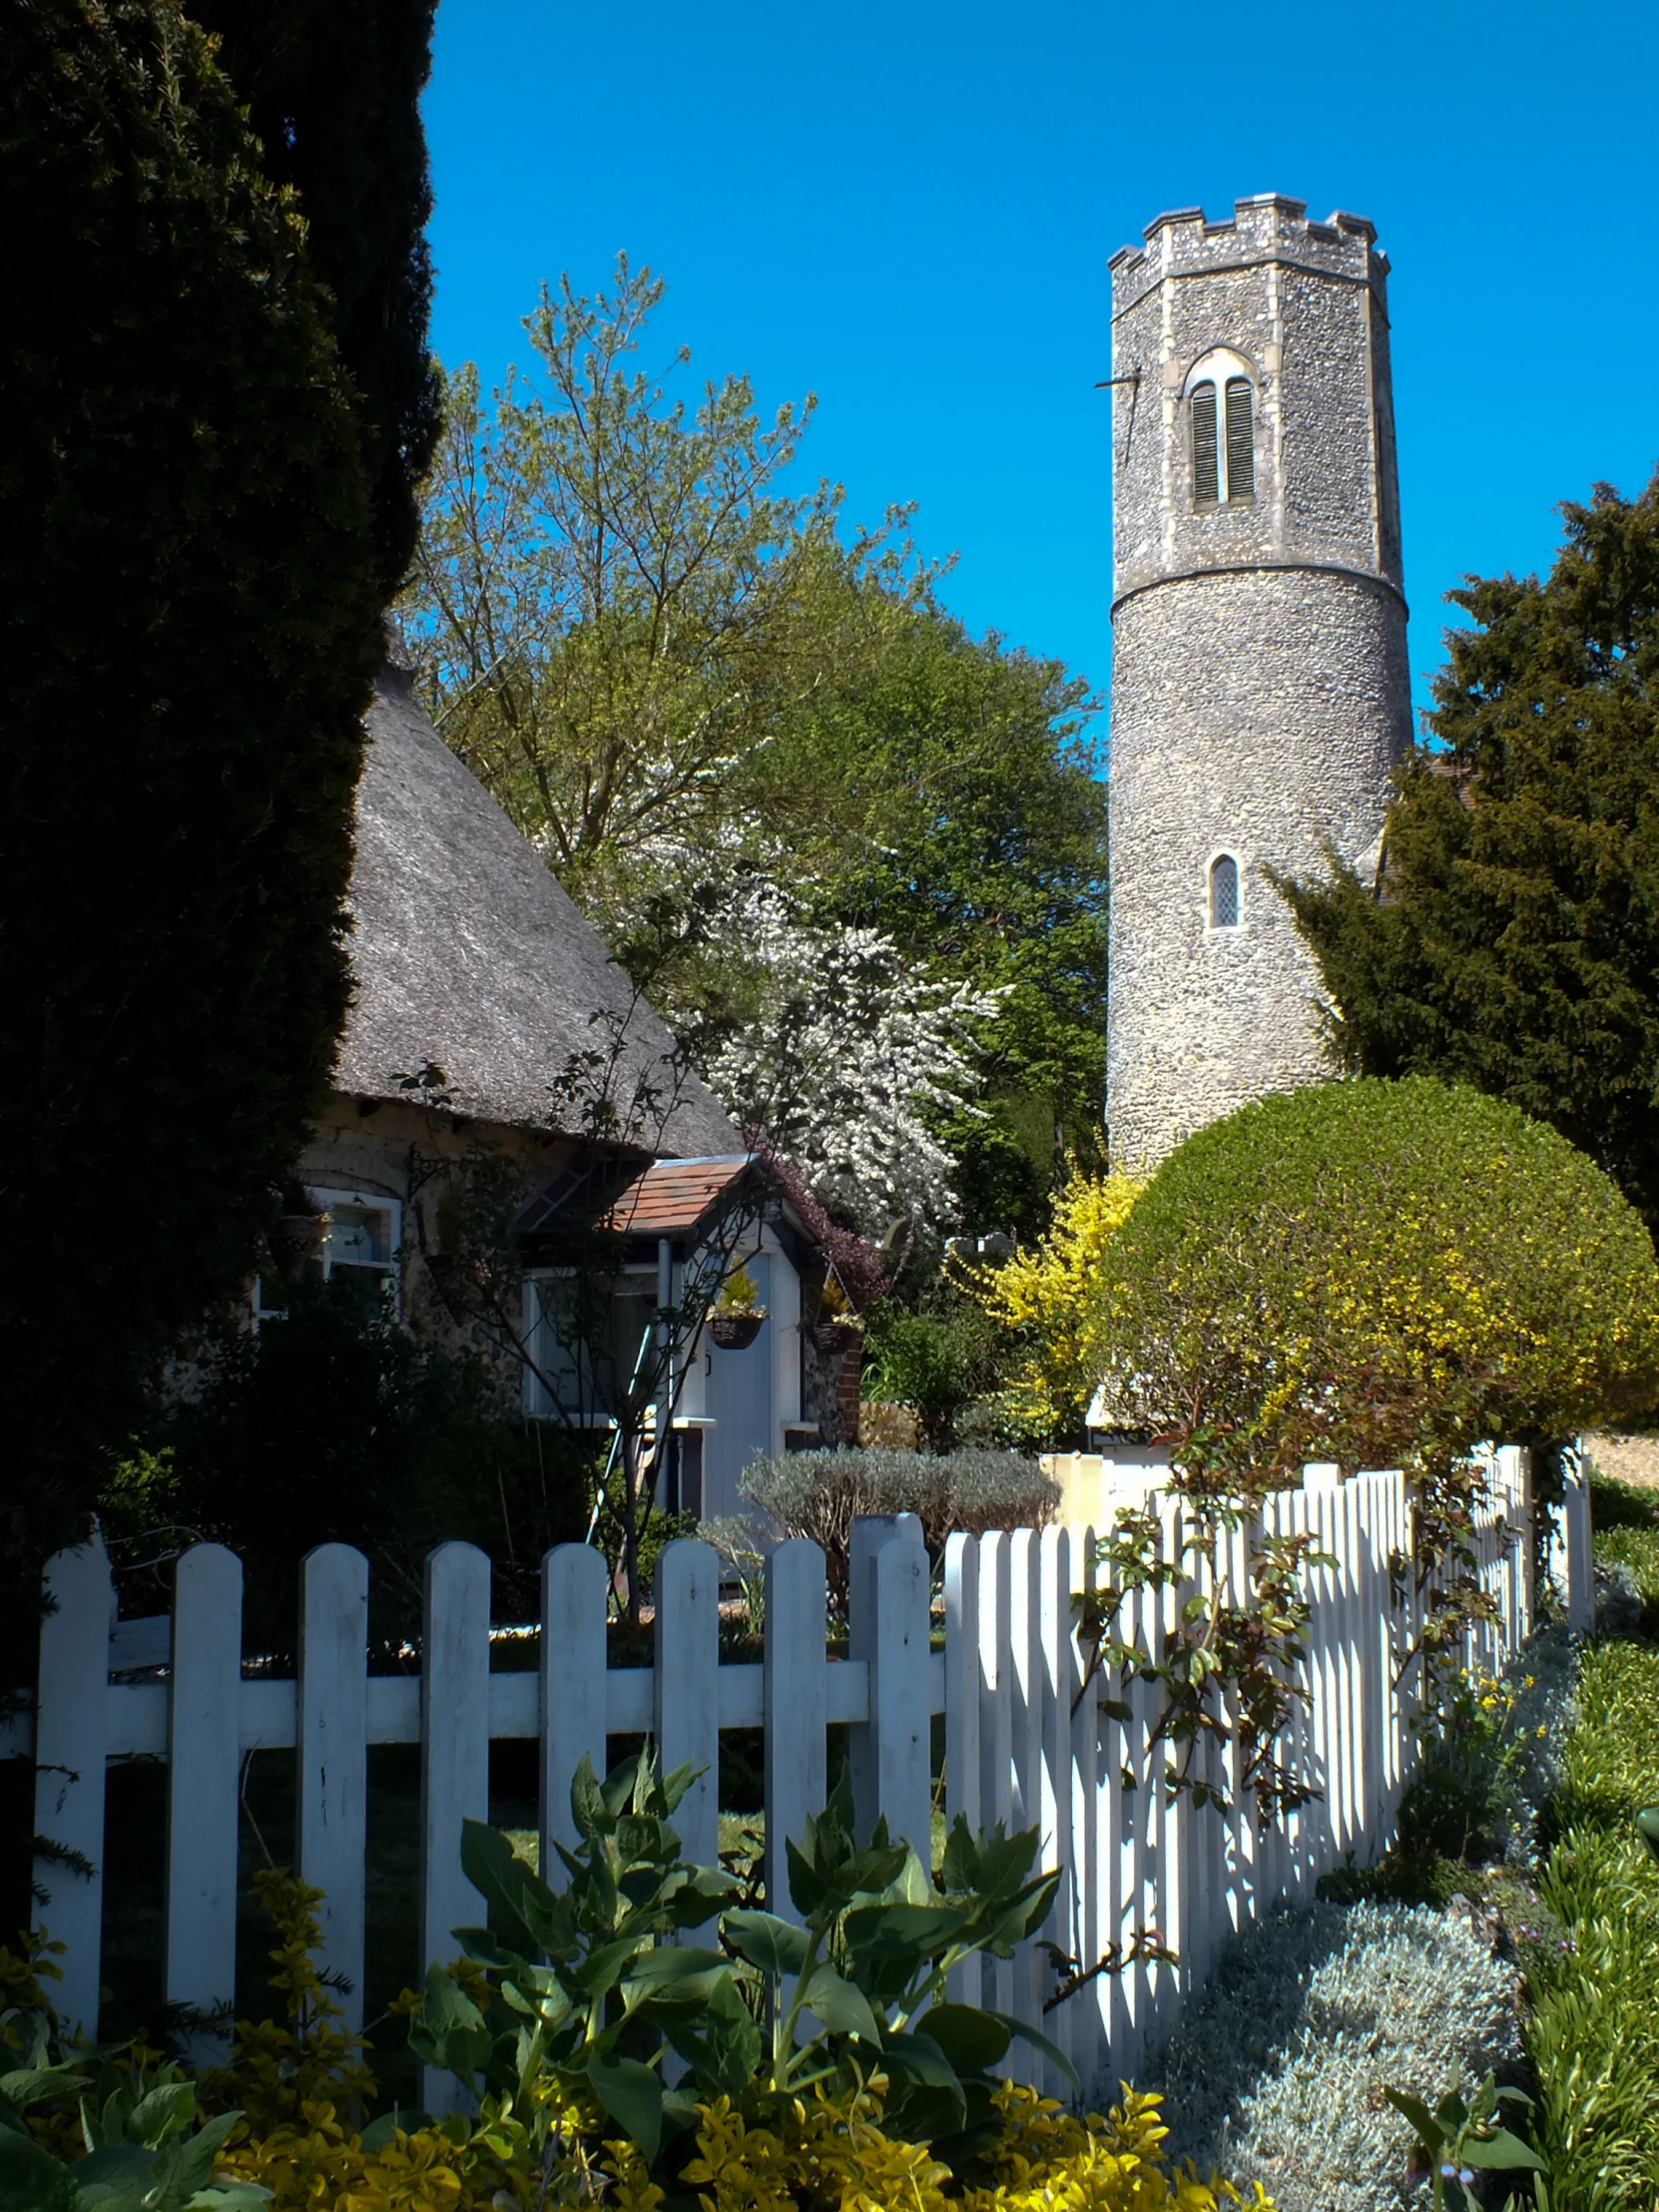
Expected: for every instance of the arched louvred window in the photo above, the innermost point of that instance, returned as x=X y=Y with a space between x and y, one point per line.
x=1206 y=457
x=1241 y=440
x=1224 y=892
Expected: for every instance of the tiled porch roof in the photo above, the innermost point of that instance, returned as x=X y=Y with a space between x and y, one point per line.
x=671 y=1197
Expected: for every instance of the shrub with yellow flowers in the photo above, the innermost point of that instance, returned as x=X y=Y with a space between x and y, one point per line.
x=1044 y=1299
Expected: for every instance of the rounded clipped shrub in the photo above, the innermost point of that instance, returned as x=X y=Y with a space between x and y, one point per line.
x=1379 y=1274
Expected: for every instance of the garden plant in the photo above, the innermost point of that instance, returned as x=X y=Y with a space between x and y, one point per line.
x=559 y=2017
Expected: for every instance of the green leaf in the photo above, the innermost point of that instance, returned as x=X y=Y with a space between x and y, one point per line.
x=31 y=2180
x=1503 y=2150
x=890 y=1932
x=1050 y=2050
x=168 y=2110
x=843 y=2008
x=918 y=2061
x=590 y=1806
x=973 y=2040
x=774 y=1944
x=633 y=2097
x=200 y=2153
x=1429 y=2129
x=42 y=2086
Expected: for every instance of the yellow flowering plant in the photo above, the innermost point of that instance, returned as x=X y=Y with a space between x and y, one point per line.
x=1042 y=1300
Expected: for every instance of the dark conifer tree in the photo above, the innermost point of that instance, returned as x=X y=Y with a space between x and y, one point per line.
x=191 y=602
x=332 y=90
x=1513 y=941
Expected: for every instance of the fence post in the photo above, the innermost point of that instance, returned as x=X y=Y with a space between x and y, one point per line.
x=1577 y=1573
x=332 y=1756
x=961 y=1712
x=796 y=1706
x=901 y=1706
x=574 y=1581
x=454 y=1755
x=71 y=1722
x=869 y=1533
x=688 y=1687
x=204 y=1753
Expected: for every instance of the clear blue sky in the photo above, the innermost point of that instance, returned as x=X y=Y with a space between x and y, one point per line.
x=906 y=208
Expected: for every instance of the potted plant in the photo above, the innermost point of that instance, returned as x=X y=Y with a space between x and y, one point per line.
x=738 y=1314
x=838 y=1327
x=296 y=1234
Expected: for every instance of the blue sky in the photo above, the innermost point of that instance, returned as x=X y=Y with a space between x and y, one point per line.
x=907 y=207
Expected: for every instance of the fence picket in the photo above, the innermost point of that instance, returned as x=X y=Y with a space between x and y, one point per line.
x=454 y=1753
x=332 y=1757
x=961 y=1714
x=574 y=1584
x=71 y=1751
x=688 y=1687
x=796 y=1706
x=1022 y=1745
x=204 y=1753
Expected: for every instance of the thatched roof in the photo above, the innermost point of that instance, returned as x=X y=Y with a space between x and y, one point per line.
x=468 y=956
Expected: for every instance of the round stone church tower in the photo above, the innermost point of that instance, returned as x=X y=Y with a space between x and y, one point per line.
x=1259 y=692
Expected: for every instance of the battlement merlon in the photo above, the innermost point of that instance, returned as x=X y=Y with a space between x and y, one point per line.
x=1265 y=226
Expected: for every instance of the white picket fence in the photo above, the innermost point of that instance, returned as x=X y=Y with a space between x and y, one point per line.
x=1021 y=1743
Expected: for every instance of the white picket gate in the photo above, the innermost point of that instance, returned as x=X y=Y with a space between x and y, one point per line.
x=1021 y=1743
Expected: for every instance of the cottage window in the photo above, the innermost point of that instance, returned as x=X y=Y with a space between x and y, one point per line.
x=1221 y=415
x=1224 y=891
x=360 y=1245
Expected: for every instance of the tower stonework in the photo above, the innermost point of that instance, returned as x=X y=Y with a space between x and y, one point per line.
x=1260 y=687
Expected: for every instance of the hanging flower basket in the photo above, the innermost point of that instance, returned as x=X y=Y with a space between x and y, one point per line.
x=294 y=1238
x=835 y=1338
x=735 y=1331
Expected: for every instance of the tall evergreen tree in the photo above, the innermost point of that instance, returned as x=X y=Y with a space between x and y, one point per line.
x=1512 y=942
x=190 y=597
x=332 y=90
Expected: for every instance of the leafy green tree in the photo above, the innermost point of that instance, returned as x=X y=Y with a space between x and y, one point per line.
x=604 y=603
x=190 y=609
x=958 y=811
x=1514 y=942
x=333 y=95
x=683 y=687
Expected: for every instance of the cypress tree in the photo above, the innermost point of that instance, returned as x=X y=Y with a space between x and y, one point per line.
x=1512 y=942
x=332 y=90
x=190 y=609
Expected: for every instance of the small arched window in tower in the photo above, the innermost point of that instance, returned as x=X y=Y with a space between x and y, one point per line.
x=1221 y=409
x=1224 y=891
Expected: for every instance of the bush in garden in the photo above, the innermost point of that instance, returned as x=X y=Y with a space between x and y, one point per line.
x=591 y=2130
x=923 y=1360
x=820 y=1493
x=336 y=1425
x=1279 y=2067
x=1042 y=1302
x=1379 y=1274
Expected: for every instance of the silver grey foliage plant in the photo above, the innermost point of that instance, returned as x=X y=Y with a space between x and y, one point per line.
x=1278 y=2070
x=819 y=1494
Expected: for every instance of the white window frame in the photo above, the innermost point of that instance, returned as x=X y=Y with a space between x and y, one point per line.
x=1216 y=367
x=325 y=1198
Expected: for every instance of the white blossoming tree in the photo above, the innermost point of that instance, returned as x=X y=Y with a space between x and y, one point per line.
x=847 y=1051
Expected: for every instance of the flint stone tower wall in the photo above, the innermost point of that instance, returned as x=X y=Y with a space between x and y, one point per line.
x=1260 y=687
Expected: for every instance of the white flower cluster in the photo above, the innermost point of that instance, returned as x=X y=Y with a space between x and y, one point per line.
x=851 y=1050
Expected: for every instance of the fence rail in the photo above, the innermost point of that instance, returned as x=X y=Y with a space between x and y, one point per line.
x=1022 y=1744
